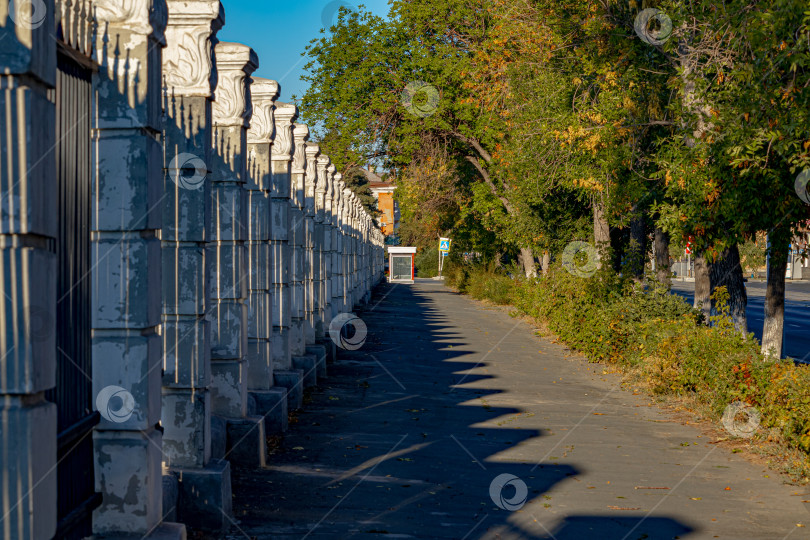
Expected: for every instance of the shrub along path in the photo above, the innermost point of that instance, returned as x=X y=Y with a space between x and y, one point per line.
x=408 y=433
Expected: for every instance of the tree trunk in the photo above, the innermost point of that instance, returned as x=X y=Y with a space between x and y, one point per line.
x=727 y=272
x=662 y=265
x=703 y=287
x=619 y=241
x=546 y=262
x=637 y=246
x=601 y=230
x=527 y=260
x=772 y=330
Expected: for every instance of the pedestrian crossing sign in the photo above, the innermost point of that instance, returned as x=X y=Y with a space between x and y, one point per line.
x=444 y=244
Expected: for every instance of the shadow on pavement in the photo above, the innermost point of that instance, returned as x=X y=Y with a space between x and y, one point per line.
x=390 y=446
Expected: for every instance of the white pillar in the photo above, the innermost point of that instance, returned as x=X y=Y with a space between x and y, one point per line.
x=260 y=141
x=203 y=480
x=126 y=275
x=230 y=277
x=344 y=205
x=260 y=327
x=189 y=79
x=337 y=246
x=283 y=241
x=285 y=116
x=315 y=215
x=310 y=182
x=297 y=241
x=303 y=357
x=324 y=224
x=28 y=266
x=265 y=399
x=323 y=212
x=328 y=240
x=355 y=250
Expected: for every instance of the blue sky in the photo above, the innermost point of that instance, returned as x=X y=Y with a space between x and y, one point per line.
x=280 y=30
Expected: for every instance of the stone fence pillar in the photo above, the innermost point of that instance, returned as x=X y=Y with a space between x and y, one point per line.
x=28 y=264
x=347 y=244
x=126 y=253
x=379 y=268
x=370 y=256
x=333 y=265
x=367 y=261
x=360 y=261
x=353 y=251
x=296 y=240
x=337 y=246
x=230 y=275
x=303 y=359
x=282 y=244
x=323 y=228
x=297 y=231
x=264 y=399
x=259 y=353
x=190 y=77
x=357 y=246
x=343 y=228
x=315 y=329
x=314 y=352
x=328 y=241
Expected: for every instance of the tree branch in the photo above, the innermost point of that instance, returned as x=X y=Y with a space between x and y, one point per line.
x=475 y=144
x=485 y=175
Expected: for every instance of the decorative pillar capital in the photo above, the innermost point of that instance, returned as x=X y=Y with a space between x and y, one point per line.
x=336 y=189
x=234 y=63
x=130 y=36
x=264 y=93
x=300 y=136
x=313 y=156
x=285 y=118
x=323 y=172
x=330 y=183
x=313 y=175
x=340 y=202
x=348 y=202
x=144 y=17
x=188 y=60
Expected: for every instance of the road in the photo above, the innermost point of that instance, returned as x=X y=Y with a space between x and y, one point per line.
x=408 y=438
x=797 y=313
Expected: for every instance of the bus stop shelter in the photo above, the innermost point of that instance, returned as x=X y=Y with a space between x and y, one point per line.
x=401 y=264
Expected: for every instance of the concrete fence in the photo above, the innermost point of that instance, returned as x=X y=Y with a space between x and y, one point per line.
x=141 y=161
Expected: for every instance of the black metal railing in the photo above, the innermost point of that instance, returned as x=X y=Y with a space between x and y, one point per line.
x=76 y=496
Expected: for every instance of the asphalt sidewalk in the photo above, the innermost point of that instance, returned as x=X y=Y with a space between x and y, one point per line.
x=409 y=437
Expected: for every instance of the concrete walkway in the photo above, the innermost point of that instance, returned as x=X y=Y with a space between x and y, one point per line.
x=408 y=434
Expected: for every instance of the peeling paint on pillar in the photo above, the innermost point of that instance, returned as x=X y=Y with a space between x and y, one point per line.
x=283 y=147
x=229 y=276
x=126 y=276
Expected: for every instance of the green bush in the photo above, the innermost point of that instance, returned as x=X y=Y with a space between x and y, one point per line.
x=427 y=263
x=483 y=283
x=659 y=339
x=457 y=275
x=491 y=285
